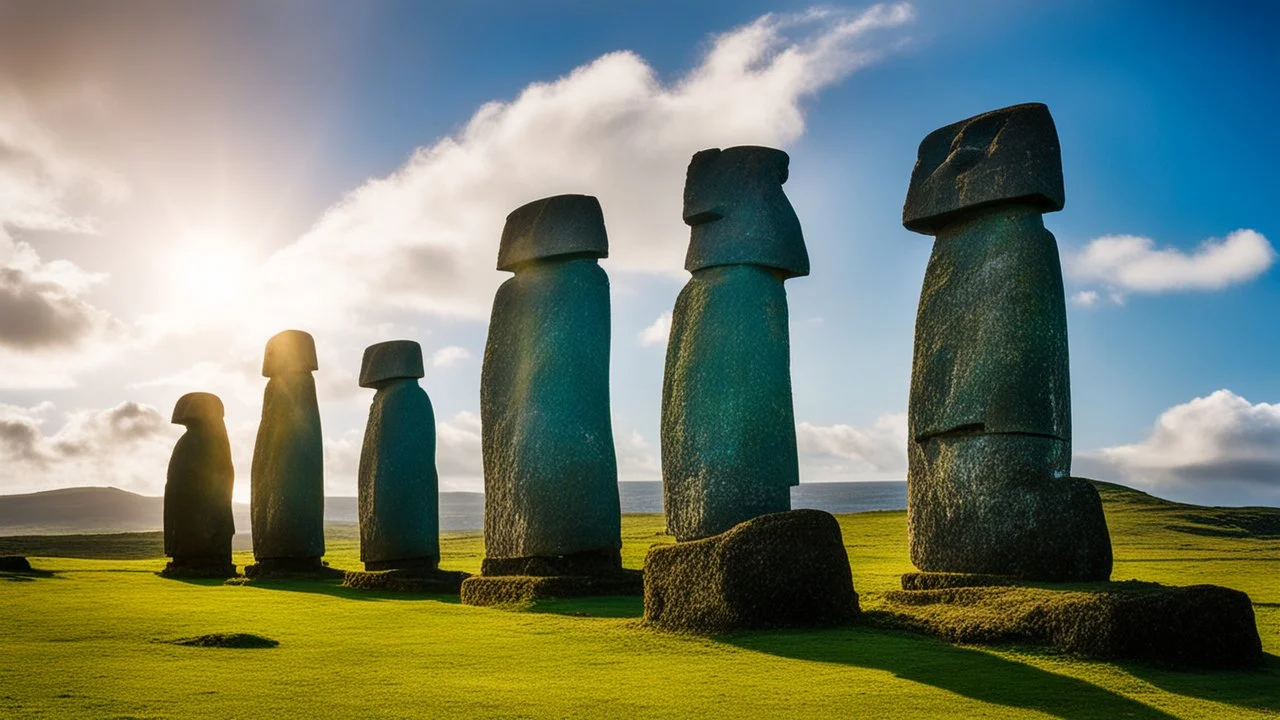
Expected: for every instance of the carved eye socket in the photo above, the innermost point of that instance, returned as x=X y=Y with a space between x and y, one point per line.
x=975 y=142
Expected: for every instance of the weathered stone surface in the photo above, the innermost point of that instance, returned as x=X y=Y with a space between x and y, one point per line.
x=553 y=227
x=290 y=569
x=783 y=569
x=198 y=523
x=940 y=581
x=551 y=478
x=287 y=480
x=399 y=496
x=728 y=425
x=1203 y=626
x=509 y=589
x=424 y=581
x=989 y=416
x=14 y=563
x=601 y=562
x=1006 y=156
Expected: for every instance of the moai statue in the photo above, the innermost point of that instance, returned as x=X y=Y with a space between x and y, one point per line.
x=989 y=486
x=550 y=473
x=198 y=524
x=399 y=497
x=287 y=484
x=728 y=426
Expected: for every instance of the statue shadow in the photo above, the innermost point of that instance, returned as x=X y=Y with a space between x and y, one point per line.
x=334 y=588
x=1252 y=688
x=598 y=606
x=967 y=672
x=27 y=575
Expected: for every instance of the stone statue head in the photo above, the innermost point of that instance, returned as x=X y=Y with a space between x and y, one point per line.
x=734 y=202
x=389 y=361
x=292 y=351
x=197 y=406
x=552 y=227
x=1006 y=156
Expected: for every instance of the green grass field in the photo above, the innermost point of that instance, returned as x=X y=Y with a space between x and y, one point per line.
x=90 y=641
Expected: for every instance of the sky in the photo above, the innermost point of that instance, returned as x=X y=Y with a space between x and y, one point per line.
x=179 y=181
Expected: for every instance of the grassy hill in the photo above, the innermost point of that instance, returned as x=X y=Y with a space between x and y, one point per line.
x=92 y=642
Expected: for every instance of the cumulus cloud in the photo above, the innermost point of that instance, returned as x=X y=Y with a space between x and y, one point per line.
x=126 y=446
x=845 y=452
x=1218 y=449
x=1129 y=263
x=657 y=333
x=458 y=453
x=451 y=355
x=425 y=237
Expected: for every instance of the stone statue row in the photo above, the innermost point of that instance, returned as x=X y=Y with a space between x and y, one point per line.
x=989 y=451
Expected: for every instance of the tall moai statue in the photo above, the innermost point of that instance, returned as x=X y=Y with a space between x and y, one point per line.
x=198 y=524
x=399 y=489
x=989 y=450
x=287 y=484
x=728 y=425
x=550 y=472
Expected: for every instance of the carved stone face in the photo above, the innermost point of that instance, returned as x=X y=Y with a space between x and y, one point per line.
x=390 y=360
x=292 y=351
x=197 y=406
x=1009 y=155
x=552 y=227
x=733 y=200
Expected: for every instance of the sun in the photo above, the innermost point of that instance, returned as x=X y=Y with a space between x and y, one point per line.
x=210 y=274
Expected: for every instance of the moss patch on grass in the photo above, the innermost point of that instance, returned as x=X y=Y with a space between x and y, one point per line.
x=240 y=641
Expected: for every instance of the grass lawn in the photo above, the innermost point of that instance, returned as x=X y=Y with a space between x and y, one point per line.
x=90 y=641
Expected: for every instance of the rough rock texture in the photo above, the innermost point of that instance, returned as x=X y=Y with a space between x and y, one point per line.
x=939 y=581
x=399 y=496
x=508 y=589
x=551 y=478
x=782 y=569
x=728 y=424
x=14 y=563
x=291 y=569
x=1004 y=156
x=287 y=480
x=1202 y=626
x=989 y=450
x=198 y=523
x=600 y=563
x=432 y=582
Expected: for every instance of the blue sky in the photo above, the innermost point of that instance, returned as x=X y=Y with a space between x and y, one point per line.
x=177 y=183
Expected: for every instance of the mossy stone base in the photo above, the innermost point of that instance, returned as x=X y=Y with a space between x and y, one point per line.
x=596 y=563
x=200 y=568
x=507 y=589
x=939 y=581
x=1198 y=626
x=291 y=569
x=778 y=570
x=431 y=582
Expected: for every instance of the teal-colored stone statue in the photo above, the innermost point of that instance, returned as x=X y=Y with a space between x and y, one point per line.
x=550 y=473
x=728 y=425
x=287 y=483
x=198 y=524
x=399 y=489
x=989 y=486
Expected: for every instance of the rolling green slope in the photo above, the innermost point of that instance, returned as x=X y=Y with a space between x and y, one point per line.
x=91 y=642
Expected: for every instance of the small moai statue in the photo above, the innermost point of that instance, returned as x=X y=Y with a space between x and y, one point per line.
x=399 y=489
x=287 y=483
x=198 y=523
x=728 y=425
x=550 y=472
x=989 y=488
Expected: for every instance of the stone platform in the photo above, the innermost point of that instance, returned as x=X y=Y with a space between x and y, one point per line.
x=777 y=570
x=1197 y=626
x=199 y=569
x=407 y=580
x=506 y=589
x=291 y=569
x=14 y=563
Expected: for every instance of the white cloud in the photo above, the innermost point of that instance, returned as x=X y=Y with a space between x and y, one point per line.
x=658 y=332
x=1214 y=450
x=1085 y=298
x=451 y=355
x=458 y=453
x=425 y=238
x=1129 y=263
x=844 y=452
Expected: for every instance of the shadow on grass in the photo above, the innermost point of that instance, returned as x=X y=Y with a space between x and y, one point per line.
x=333 y=588
x=1257 y=689
x=971 y=673
x=616 y=606
x=27 y=575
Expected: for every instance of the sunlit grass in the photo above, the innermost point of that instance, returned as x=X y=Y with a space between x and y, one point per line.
x=83 y=644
